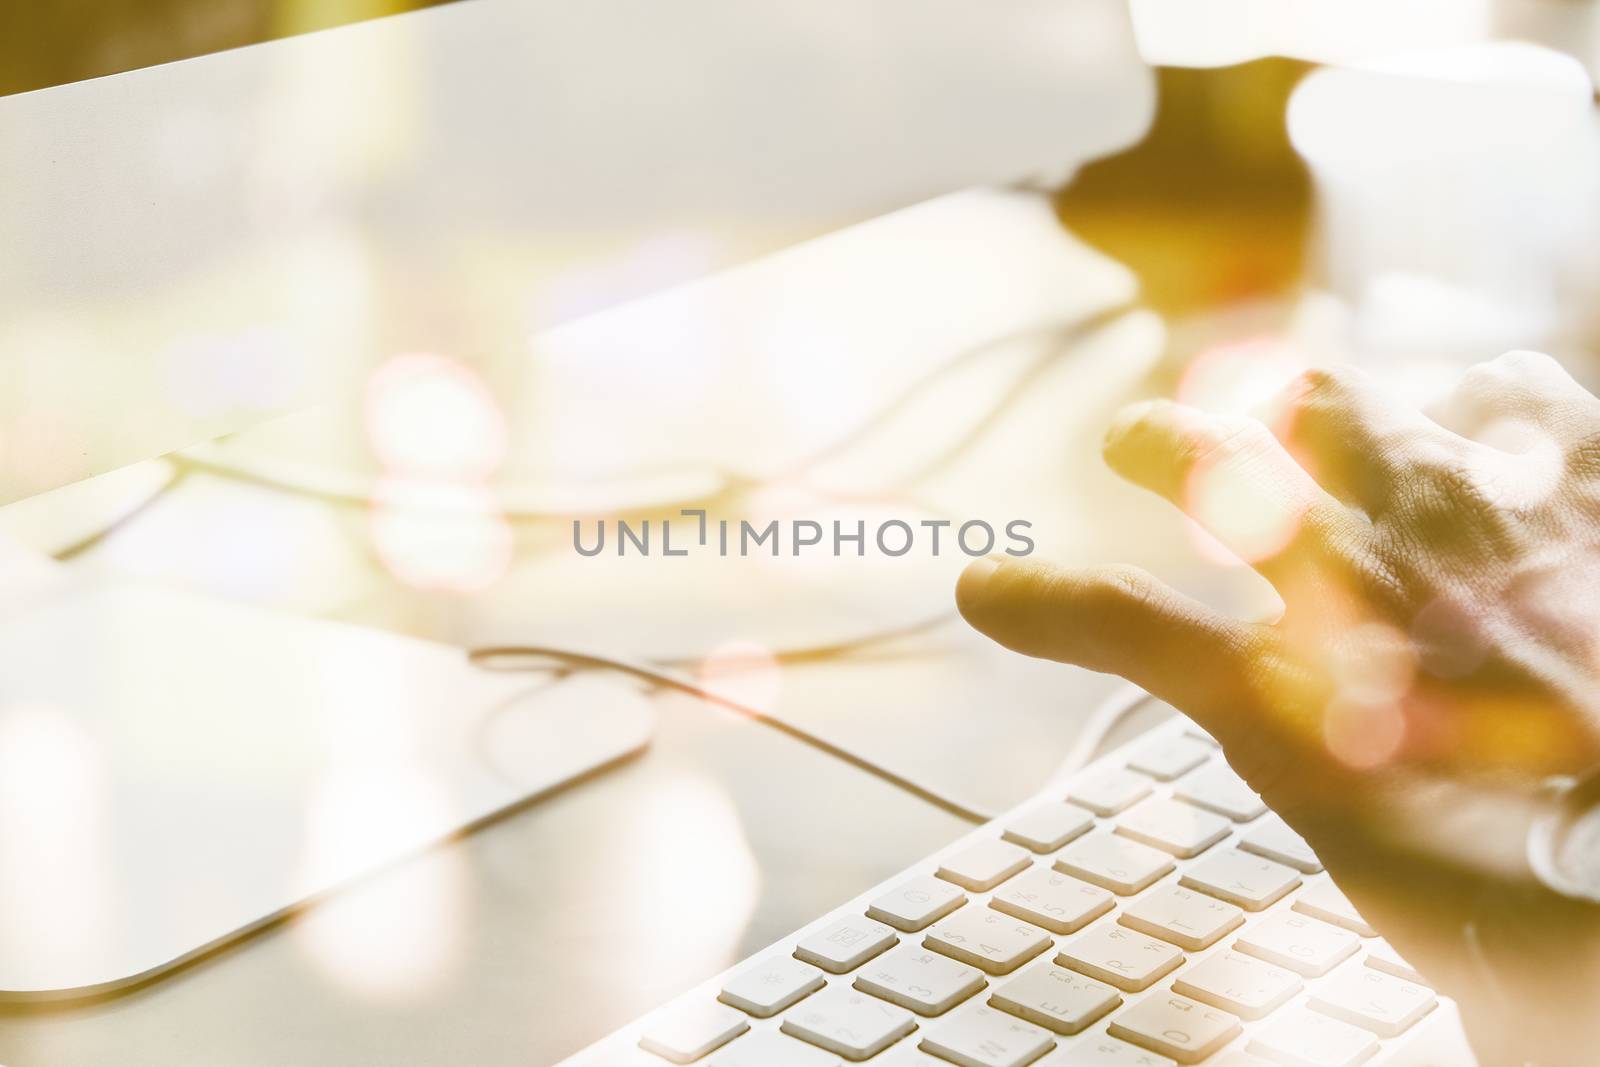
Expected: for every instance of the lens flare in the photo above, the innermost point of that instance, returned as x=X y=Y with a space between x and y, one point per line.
x=746 y=671
x=429 y=417
x=1362 y=736
x=1373 y=664
x=688 y=845
x=56 y=845
x=432 y=536
x=1240 y=377
x=397 y=935
x=1247 y=520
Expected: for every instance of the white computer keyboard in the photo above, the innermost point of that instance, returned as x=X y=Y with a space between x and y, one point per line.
x=1150 y=912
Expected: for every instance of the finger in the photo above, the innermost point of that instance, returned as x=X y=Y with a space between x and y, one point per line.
x=1230 y=475
x=1519 y=387
x=1119 y=620
x=1348 y=434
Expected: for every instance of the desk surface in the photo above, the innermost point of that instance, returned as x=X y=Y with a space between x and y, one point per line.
x=572 y=917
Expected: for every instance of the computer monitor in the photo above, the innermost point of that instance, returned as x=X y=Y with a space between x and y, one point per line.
x=196 y=247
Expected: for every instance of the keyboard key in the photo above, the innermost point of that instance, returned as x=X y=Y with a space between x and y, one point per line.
x=772 y=1049
x=1301 y=1038
x=848 y=1023
x=1110 y=791
x=771 y=986
x=997 y=943
x=1127 y=959
x=1124 y=867
x=1058 y=902
x=1216 y=788
x=1187 y=919
x=692 y=1030
x=1248 y=881
x=1372 y=1000
x=1048 y=827
x=1055 y=998
x=1236 y=983
x=1323 y=900
x=1109 y=1052
x=983 y=866
x=1176 y=1026
x=1302 y=944
x=1381 y=956
x=1180 y=829
x=984 y=1037
x=1272 y=838
x=1170 y=757
x=925 y=982
x=916 y=903
x=845 y=944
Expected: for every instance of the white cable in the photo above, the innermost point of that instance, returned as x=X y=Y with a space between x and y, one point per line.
x=667 y=678
x=1122 y=702
x=1097 y=728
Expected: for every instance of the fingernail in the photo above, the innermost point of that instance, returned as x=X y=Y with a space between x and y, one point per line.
x=974 y=582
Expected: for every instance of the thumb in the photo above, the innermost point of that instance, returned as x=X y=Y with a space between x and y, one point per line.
x=1117 y=620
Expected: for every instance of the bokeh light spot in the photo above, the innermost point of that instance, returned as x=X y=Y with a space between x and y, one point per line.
x=746 y=671
x=1363 y=736
x=1240 y=377
x=432 y=417
x=397 y=935
x=444 y=537
x=1372 y=663
x=1241 y=511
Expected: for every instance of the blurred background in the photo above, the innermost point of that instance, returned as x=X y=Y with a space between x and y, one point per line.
x=372 y=315
x=51 y=44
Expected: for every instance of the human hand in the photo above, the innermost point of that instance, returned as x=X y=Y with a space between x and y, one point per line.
x=1435 y=663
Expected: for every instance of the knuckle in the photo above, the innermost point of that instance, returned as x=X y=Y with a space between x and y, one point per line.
x=1324 y=399
x=1323 y=386
x=1225 y=441
x=1126 y=581
x=1478 y=377
x=1121 y=586
x=1525 y=363
x=1484 y=382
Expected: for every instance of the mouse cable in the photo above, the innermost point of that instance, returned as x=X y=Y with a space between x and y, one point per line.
x=1066 y=339
x=664 y=676
x=176 y=474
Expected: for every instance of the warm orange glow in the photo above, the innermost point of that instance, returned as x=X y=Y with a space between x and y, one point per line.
x=1373 y=664
x=1360 y=735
